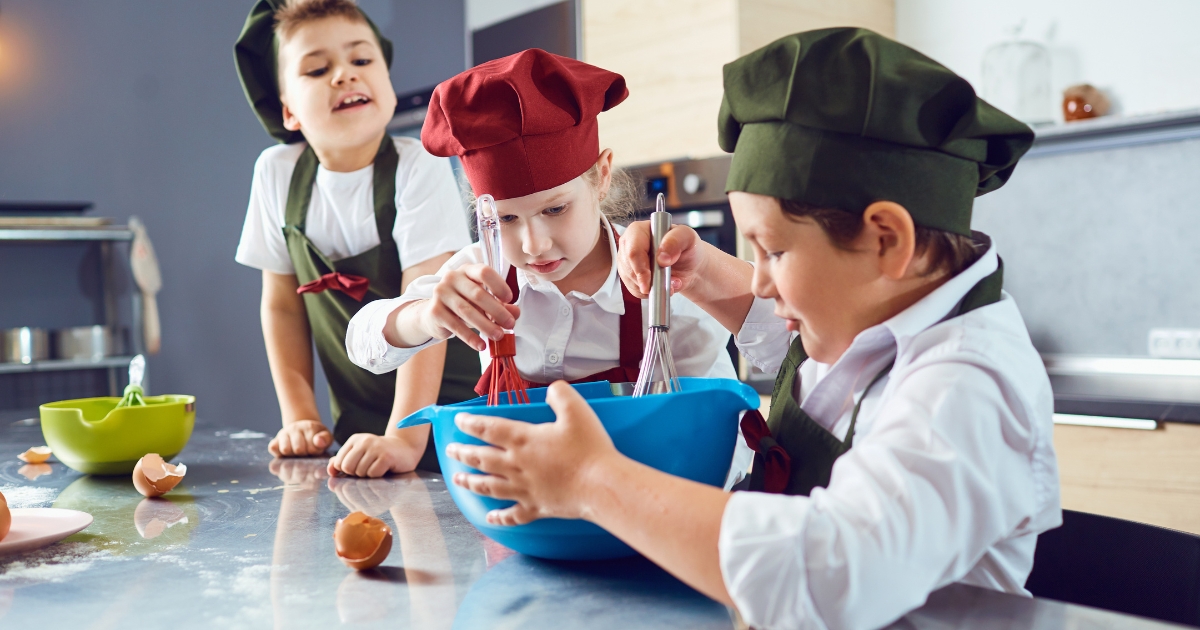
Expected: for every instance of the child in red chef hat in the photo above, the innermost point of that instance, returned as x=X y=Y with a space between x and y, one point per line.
x=525 y=129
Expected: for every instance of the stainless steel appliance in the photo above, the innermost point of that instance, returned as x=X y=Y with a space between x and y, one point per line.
x=695 y=194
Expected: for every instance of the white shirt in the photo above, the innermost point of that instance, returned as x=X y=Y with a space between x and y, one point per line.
x=430 y=216
x=561 y=336
x=951 y=477
x=558 y=336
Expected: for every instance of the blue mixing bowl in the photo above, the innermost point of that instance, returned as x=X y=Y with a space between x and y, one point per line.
x=689 y=434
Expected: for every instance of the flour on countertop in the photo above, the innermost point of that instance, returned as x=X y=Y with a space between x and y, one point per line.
x=28 y=496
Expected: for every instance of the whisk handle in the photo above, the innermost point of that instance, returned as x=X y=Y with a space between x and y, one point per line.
x=660 y=282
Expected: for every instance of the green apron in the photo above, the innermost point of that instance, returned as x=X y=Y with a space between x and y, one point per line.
x=361 y=402
x=811 y=449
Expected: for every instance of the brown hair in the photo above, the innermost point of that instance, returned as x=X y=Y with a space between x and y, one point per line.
x=948 y=251
x=297 y=13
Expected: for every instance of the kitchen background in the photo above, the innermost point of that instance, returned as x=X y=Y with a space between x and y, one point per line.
x=135 y=107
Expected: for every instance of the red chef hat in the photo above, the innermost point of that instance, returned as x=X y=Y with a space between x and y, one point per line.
x=522 y=124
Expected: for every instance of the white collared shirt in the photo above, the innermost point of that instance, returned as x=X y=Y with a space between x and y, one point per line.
x=558 y=336
x=951 y=477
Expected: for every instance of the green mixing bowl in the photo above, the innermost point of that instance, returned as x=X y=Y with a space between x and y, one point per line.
x=94 y=437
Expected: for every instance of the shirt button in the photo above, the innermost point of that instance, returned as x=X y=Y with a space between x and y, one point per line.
x=553 y=358
x=566 y=310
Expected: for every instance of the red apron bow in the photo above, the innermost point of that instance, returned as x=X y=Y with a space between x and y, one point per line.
x=777 y=464
x=354 y=286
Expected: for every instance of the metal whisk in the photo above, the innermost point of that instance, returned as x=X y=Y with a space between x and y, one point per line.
x=657 y=375
x=505 y=377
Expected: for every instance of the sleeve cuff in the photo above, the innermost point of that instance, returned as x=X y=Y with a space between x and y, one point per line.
x=761 y=551
x=366 y=345
x=764 y=338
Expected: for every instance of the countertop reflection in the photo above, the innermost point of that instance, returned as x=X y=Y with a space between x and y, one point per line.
x=246 y=542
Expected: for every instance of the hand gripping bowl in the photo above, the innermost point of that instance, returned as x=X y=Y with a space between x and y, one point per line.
x=690 y=434
x=95 y=437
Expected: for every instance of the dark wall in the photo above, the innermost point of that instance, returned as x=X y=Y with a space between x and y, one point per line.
x=552 y=28
x=135 y=106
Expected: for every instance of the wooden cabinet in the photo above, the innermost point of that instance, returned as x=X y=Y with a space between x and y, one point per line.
x=1146 y=476
x=671 y=53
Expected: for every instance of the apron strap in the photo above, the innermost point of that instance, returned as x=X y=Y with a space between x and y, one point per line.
x=386 y=163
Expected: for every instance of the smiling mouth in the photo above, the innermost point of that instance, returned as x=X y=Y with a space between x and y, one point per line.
x=354 y=100
x=547 y=267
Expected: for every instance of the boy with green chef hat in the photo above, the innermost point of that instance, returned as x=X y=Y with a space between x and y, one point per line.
x=909 y=442
x=342 y=214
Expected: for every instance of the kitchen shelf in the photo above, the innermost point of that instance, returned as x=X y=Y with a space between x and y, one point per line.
x=108 y=239
x=114 y=233
x=1112 y=132
x=59 y=365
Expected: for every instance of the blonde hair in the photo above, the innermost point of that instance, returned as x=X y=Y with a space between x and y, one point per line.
x=619 y=205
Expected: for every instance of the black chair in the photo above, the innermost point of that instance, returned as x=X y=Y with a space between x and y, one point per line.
x=1121 y=566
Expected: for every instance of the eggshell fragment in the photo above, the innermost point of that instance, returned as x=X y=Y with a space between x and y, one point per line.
x=362 y=542
x=35 y=455
x=6 y=517
x=154 y=477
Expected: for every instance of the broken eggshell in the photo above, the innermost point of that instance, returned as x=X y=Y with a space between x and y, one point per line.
x=362 y=542
x=154 y=477
x=5 y=517
x=35 y=455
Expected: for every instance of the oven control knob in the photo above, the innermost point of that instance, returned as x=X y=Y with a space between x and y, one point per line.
x=692 y=184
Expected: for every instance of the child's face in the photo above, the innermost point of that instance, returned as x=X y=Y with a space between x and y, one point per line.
x=550 y=232
x=824 y=292
x=334 y=84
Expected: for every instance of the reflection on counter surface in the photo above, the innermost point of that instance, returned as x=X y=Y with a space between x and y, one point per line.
x=246 y=542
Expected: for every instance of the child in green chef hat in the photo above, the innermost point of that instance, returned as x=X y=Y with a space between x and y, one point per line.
x=909 y=440
x=342 y=214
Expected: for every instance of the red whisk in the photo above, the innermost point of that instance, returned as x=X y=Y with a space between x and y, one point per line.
x=504 y=375
x=504 y=372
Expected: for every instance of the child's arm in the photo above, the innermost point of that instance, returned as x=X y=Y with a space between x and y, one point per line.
x=418 y=381
x=710 y=278
x=570 y=469
x=289 y=353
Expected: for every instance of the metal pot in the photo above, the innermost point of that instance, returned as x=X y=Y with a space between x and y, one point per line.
x=86 y=343
x=25 y=345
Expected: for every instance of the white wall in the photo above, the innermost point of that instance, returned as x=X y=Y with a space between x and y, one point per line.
x=1146 y=54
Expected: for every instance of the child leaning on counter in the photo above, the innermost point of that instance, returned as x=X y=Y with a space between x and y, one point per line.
x=340 y=215
x=909 y=440
x=525 y=129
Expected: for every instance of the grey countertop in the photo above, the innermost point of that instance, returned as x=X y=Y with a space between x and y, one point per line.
x=245 y=541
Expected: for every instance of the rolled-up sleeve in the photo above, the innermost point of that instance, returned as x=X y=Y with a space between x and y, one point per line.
x=365 y=343
x=943 y=475
x=764 y=338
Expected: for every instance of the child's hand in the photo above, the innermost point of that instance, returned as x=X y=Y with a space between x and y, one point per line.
x=369 y=455
x=543 y=467
x=682 y=250
x=462 y=301
x=302 y=438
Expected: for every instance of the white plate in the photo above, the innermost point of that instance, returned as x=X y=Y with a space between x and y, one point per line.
x=38 y=527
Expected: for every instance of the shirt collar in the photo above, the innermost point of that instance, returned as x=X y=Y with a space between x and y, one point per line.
x=608 y=297
x=936 y=306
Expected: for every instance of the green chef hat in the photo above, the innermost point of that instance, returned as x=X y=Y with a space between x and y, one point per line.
x=844 y=117
x=255 y=54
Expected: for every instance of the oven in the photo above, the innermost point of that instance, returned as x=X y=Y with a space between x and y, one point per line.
x=695 y=196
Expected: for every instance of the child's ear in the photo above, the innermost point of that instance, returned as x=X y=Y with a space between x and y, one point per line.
x=604 y=164
x=290 y=122
x=892 y=235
